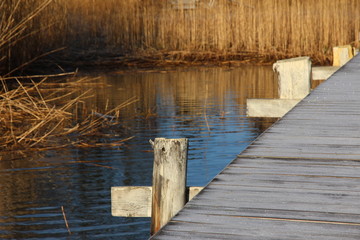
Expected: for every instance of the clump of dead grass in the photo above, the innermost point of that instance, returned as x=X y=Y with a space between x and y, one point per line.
x=40 y=116
x=37 y=114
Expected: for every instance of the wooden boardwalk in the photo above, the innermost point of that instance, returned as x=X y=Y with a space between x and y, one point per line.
x=299 y=180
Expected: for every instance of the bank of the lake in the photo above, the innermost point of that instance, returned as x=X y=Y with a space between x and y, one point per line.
x=131 y=32
x=206 y=105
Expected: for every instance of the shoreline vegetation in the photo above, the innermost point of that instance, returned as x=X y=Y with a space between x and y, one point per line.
x=44 y=112
x=174 y=32
x=60 y=35
x=38 y=115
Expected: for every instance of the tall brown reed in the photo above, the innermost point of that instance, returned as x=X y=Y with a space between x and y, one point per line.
x=33 y=114
x=19 y=23
x=219 y=29
x=277 y=28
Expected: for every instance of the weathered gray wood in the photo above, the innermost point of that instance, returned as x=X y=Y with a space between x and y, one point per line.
x=203 y=210
x=269 y=107
x=238 y=227
x=294 y=80
x=323 y=72
x=131 y=201
x=298 y=180
x=342 y=54
x=136 y=201
x=169 y=180
x=294 y=77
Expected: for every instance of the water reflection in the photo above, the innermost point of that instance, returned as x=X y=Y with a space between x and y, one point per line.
x=205 y=105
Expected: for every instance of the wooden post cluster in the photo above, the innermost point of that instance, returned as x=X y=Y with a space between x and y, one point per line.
x=294 y=81
x=168 y=193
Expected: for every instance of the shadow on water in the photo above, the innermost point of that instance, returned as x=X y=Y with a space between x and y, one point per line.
x=206 y=105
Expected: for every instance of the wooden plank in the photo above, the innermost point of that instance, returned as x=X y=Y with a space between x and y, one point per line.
x=304 y=153
x=326 y=202
x=136 y=201
x=304 y=124
x=195 y=209
x=256 y=228
x=183 y=234
x=131 y=201
x=264 y=228
x=269 y=107
x=324 y=72
x=276 y=200
x=299 y=180
x=294 y=181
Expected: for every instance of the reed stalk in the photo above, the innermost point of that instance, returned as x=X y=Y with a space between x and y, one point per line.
x=31 y=118
x=214 y=30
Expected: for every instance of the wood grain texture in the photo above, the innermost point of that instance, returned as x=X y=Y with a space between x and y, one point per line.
x=169 y=180
x=131 y=201
x=136 y=201
x=299 y=180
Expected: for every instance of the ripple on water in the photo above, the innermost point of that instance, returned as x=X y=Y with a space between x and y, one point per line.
x=206 y=106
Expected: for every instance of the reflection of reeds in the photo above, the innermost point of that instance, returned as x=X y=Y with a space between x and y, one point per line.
x=189 y=89
x=224 y=30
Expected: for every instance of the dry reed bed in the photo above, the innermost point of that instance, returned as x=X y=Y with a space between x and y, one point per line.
x=219 y=29
x=36 y=115
x=41 y=116
x=20 y=30
x=230 y=28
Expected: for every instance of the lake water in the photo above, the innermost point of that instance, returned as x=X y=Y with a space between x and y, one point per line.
x=206 y=105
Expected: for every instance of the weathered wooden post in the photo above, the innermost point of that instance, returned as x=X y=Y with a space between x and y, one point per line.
x=342 y=54
x=168 y=193
x=294 y=77
x=169 y=180
x=294 y=80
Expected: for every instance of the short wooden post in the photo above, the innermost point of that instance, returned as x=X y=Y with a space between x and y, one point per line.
x=342 y=54
x=169 y=180
x=294 y=77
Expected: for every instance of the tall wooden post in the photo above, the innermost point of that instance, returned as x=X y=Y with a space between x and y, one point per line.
x=169 y=180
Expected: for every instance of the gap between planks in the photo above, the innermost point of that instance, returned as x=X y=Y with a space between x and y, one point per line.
x=275 y=219
x=240 y=156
